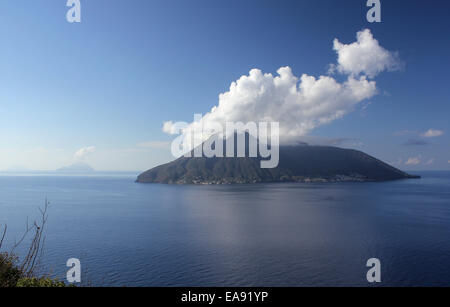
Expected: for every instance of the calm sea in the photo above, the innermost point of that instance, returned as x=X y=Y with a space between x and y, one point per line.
x=130 y=234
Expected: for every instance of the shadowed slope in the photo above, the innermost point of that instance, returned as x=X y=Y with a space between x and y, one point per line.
x=297 y=164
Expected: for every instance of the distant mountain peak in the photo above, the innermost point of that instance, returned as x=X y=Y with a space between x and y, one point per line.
x=76 y=167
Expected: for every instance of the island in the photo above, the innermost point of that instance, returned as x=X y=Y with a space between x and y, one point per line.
x=77 y=167
x=298 y=163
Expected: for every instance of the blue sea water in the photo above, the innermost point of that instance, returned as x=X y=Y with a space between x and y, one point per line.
x=130 y=234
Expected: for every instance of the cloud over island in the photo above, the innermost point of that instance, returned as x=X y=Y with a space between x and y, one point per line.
x=84 y=152
x=301 y=104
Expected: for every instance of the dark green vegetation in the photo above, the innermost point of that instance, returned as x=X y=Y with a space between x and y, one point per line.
x=12 y=274
x=301 y=163
x=15 y=272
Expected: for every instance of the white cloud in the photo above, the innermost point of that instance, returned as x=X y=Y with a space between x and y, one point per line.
x=169 y=127
x=413 y=161
x=431 y=133
x=155 y=144
x=83 y=152
x=299 y=104
x=365 y=56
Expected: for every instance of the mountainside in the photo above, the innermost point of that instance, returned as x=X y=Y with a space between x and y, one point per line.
x=296 y=164
x=77 y=167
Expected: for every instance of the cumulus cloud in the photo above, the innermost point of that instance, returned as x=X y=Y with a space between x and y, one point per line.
x=413 y=161
x=299 y=104
x=365 y=56
x=431 y=133
x=169 y=127
x=83 y=152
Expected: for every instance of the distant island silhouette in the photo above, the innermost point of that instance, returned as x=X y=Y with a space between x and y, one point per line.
x=78 y=167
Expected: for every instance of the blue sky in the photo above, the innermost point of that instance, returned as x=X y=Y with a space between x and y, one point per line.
x=109 y=82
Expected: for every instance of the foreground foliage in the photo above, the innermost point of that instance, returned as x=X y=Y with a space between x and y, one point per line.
x=15 y=272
